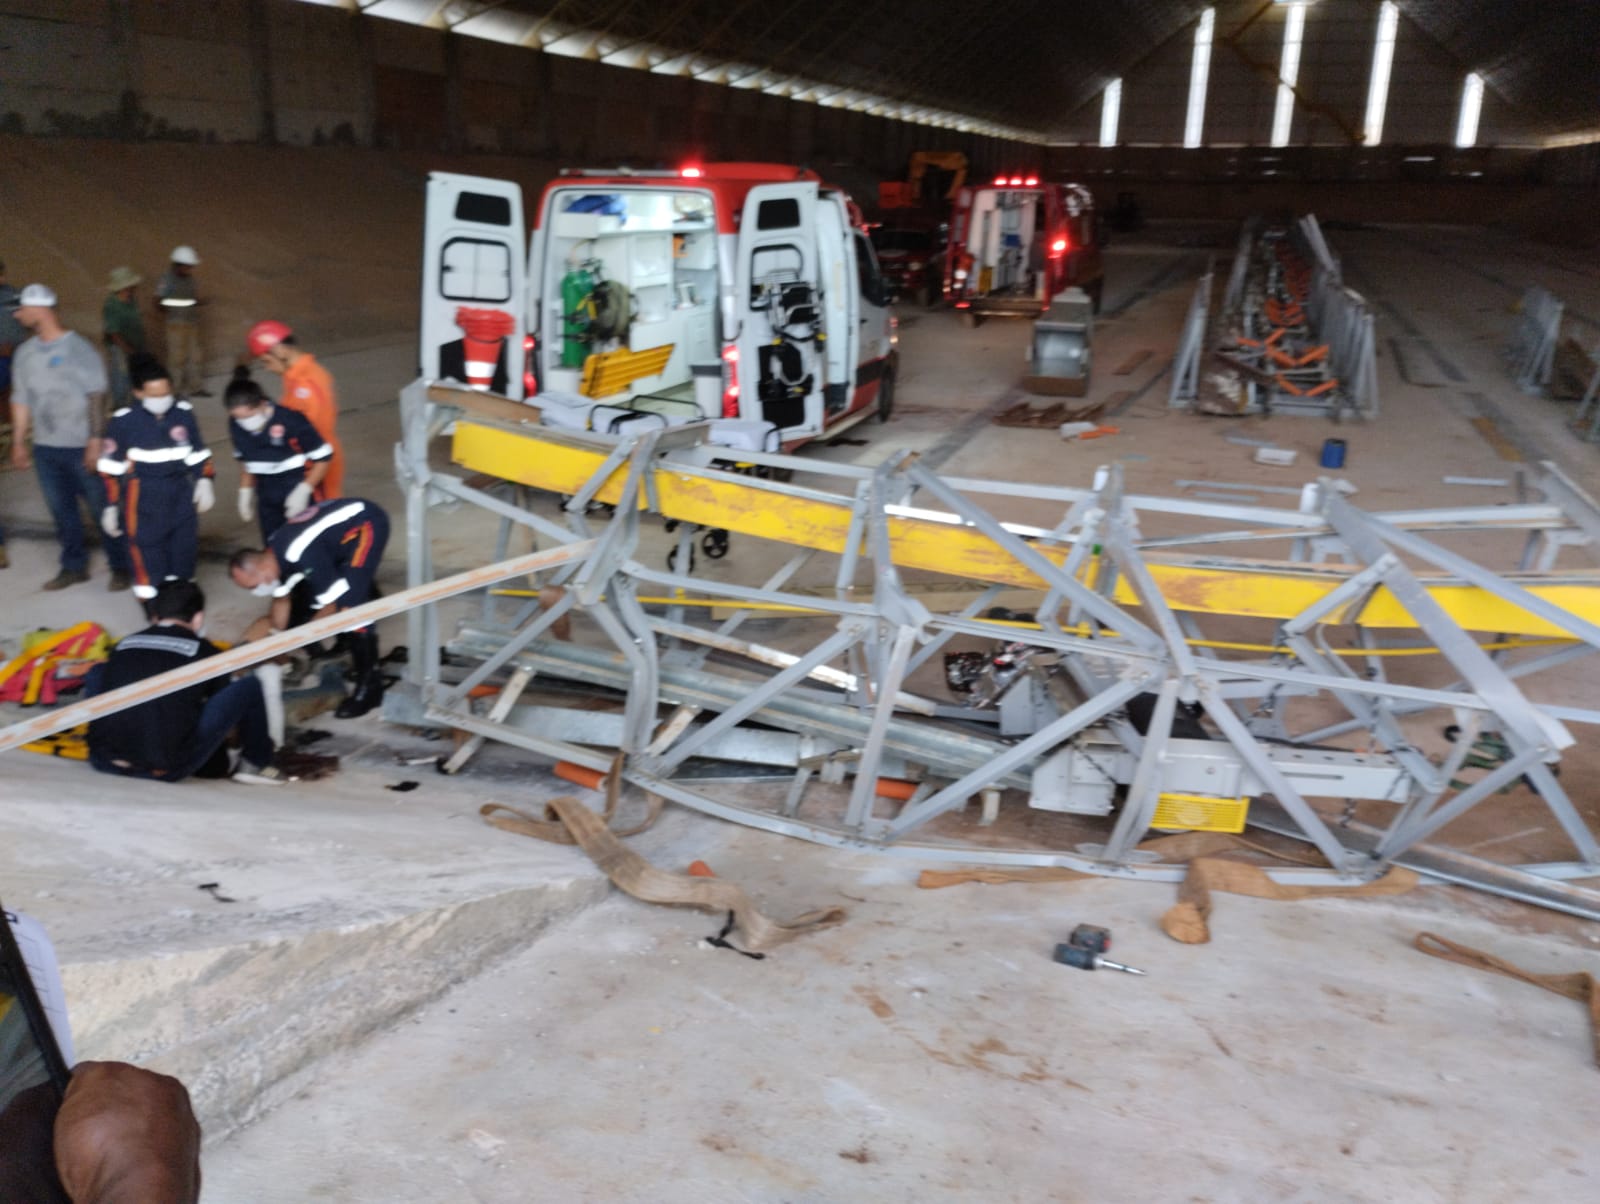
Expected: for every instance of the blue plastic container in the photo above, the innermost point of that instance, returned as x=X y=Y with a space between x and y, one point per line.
x=1332 y=453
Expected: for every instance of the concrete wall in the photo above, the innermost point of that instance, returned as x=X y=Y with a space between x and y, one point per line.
x=304 y=74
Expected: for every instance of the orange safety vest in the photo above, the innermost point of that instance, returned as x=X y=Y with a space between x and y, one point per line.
x=308 y=387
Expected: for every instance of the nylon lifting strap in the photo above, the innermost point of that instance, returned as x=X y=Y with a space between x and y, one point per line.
x=1579 y=985
x=575 y=823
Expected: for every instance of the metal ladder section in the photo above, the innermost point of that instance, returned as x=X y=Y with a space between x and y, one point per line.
x=1107 y=641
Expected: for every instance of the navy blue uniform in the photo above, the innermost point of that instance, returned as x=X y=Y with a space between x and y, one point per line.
x=150 y=465
x=277 y=456
x=333 y=549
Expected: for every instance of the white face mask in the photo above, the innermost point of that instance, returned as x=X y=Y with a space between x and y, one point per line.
x=265 y=589
x=158 y=405
x=254 y=422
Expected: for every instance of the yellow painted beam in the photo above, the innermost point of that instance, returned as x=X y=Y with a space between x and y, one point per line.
x=563 y=462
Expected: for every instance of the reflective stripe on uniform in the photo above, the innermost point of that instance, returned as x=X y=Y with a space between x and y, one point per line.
x=333 y=593
x=271 y=467
x=159 y=455
x=144 y=592
x=304 y=540
x=112 y=468
x=199 y=457
x=285 y=588
x=322 y=451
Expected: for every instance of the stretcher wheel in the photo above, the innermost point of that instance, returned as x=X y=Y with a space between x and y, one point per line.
x=714 y=543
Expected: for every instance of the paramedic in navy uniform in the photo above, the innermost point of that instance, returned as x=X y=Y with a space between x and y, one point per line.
x=158 y=473
x=334 y=548
x=282 y=458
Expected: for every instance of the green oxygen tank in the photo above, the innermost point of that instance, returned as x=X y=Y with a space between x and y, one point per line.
x=577 y=312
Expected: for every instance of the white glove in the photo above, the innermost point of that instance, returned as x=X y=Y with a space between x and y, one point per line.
x=247 y=503
x=205 y=496
x=111 y=522
x=298 y=501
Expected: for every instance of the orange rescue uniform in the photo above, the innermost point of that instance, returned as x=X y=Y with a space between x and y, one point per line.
x=308 y=387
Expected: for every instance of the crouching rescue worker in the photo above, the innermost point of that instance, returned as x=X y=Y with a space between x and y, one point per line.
x=334 y=549
x=158 y=474
x=182 y=734
x=282 y=458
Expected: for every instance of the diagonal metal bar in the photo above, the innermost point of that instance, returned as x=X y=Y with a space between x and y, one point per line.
x=957 y=793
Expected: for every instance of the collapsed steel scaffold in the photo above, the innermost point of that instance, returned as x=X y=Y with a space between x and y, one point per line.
x=1130 y=698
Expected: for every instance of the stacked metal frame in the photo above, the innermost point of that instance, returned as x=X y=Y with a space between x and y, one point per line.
x=1118 y=629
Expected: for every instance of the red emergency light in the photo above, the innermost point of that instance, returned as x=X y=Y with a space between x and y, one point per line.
x=1032 y=181
x=530 y=380
x=1000 y=180
x=1059 y=247
x=1016 y=181
x=730 y=391
x=691 y=173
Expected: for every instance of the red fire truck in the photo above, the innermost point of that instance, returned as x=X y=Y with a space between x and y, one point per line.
x=1016 y=243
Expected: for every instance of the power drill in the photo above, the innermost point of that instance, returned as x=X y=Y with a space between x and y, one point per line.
x=1085 y=950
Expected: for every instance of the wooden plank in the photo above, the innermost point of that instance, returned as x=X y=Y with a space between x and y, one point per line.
x=1131 y=364
x=1495 y=438
x=490 y=405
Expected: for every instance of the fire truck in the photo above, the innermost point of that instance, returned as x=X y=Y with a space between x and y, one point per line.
x=744 y=294
x=1016 y=243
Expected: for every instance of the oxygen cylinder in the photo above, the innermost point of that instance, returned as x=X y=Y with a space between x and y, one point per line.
x=577 y=289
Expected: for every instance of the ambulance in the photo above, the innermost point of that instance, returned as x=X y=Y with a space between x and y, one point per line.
x=746 y=294
x=1018 y=242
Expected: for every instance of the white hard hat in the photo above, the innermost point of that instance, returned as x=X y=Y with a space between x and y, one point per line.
x=185 y=255
x=37 y=294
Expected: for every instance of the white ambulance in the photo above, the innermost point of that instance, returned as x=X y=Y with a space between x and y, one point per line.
x=742 y=292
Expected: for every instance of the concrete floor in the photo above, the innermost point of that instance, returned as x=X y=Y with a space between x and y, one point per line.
x=928 y=1047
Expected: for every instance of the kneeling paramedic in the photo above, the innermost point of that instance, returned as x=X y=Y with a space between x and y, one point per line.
x=282 y=458
x=334 y=548
x=158 y=474
x=182 y=734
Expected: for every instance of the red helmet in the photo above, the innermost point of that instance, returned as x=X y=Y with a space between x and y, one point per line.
x=264 y=336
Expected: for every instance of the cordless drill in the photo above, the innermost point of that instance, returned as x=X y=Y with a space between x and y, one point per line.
x=1085 y=949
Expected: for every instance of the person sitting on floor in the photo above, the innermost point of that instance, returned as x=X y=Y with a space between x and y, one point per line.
x=185 y=733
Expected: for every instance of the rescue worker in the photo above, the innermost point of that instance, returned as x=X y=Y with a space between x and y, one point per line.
x=307 y=387
x=334 y=548
x=158 y=475
x=182 y=734
x=180 y=313
x=282 y=458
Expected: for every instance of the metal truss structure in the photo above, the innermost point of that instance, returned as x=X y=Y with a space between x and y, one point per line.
x=1132 y=684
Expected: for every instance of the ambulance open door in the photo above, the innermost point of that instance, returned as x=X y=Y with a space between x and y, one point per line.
x=778 y=295
x=474 y=284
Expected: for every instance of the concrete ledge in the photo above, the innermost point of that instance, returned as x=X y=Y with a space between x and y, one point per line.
x=353 y=906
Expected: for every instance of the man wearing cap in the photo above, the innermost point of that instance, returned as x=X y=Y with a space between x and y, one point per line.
x=58 y=387
x=307 y=387
x=180 y=311
x=123 y=327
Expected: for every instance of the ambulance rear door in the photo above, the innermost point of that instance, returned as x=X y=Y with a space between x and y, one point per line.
x=474 y=283
x=778 y=292
x=841 y=309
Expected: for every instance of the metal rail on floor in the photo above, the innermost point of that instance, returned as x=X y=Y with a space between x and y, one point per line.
x=1112 y=703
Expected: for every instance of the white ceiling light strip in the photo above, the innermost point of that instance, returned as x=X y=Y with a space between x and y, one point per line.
x=1110 y=113
x=1199 y=73
x=1382 y=62
x=1471 y=109
x=1294 y=27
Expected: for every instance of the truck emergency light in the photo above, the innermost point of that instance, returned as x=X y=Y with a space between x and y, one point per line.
x=1059 y=247
x=1000 y=180
x=1032 y=181
x=1016 y=181
x=730 y=377
x=691 y=173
